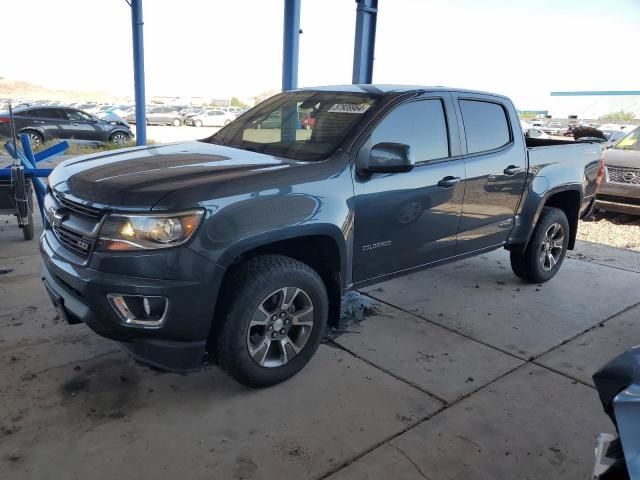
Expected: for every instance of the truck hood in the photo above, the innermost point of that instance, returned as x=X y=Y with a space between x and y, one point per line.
x=139 y=177
x=617 y=157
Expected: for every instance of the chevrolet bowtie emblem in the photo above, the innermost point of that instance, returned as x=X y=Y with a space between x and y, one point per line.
x=56 y=217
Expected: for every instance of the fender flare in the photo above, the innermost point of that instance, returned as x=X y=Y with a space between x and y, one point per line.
x=34 y=129
x=331 y=231
x=531 y=215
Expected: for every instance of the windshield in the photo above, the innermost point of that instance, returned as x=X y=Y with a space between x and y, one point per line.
x=630 y=141
x=298 y=125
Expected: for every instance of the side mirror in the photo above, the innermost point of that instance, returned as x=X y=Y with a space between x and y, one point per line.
x=390 y=158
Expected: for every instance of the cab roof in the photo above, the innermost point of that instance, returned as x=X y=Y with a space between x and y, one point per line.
x=382 y=89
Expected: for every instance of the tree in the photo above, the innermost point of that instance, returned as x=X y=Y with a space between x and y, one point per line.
x=235 y=102
x=620 y=116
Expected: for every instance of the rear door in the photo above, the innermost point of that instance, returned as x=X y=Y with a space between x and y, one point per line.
x=406 y=220
x=50 y=120
x=496 y=169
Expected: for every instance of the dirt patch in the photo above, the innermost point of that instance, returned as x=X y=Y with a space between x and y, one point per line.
x=613 y=229
x=105 y=391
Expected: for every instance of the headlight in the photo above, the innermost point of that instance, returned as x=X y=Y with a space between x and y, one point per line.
x=147 y=232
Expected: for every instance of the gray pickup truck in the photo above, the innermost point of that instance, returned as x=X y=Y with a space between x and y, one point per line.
x=238 y=248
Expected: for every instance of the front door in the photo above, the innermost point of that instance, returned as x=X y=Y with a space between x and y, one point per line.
x=81 y=126
x=496 y=173
x=405 y=220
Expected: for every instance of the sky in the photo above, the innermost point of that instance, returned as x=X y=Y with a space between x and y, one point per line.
x=223 y=48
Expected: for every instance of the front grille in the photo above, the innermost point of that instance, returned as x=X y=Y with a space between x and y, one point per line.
x=624 y=175
x=78 y=208
x=81 y=246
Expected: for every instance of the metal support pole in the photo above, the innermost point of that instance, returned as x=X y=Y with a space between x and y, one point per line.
x=138 y=71
x=291 y=44
x=366 y=14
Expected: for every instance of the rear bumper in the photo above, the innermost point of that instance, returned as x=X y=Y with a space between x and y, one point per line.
x=178 y=345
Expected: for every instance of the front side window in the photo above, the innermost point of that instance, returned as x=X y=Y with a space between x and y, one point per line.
x=421 y=125
x=77 y=116
x=274 y=126
x=485 y=124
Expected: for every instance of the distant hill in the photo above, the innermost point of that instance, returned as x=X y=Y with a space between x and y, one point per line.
x=18 y=89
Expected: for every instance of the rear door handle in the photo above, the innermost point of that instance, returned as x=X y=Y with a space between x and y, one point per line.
x=449 y=181
x=512 y=170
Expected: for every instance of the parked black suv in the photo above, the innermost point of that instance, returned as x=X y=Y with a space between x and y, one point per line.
x=241 y=245
x=44 y=123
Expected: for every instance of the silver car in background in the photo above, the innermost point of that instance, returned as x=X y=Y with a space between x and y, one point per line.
x=620 y=187
x=212 y=118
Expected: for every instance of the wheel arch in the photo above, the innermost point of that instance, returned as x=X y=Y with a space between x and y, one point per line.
x=322 y=247
x=120 y=130
x=37 y=130
x=566 y=198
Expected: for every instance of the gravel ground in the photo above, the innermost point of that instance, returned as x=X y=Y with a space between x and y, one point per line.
x=616 y=230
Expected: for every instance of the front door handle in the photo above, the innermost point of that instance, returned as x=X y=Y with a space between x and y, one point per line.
x=449 y=181
x=512 y=170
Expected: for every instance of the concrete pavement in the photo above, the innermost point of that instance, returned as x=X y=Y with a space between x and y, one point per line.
x=460 y=372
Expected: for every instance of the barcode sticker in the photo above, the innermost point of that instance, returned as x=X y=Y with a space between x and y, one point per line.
x=349 y=108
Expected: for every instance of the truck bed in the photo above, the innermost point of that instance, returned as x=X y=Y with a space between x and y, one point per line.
x=566 y=161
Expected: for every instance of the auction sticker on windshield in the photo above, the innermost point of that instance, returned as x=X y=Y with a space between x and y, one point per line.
x=349 y=108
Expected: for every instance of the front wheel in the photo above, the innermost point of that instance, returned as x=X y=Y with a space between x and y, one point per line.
x=176 y=122
x=546 y=250
x=198 y=123
x=119 y=139
x=274 y=321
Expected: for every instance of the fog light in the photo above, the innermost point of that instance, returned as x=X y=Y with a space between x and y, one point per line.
x=139 y=310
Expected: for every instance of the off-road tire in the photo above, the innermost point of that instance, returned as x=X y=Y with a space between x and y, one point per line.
x=249 y=283
x=526 y=264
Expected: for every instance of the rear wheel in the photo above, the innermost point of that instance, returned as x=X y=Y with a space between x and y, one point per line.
x=546 y=250
x=274 y=321
x=35 y=138
x=198 y=123
x=176 y=122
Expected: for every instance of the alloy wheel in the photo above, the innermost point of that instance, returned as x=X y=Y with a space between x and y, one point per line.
x=551 y=247
x=280 y=327
x=34 y=138
x=119 y=139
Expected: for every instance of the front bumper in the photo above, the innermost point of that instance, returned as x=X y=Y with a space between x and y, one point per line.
x=613 y=203
x=178 y=345
x=618 y=197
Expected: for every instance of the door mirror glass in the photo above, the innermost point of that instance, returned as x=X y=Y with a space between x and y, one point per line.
x=390 y=158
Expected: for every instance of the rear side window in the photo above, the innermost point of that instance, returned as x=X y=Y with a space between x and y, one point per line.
x=485 y=124
x=421 y=125
x=51 y=113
